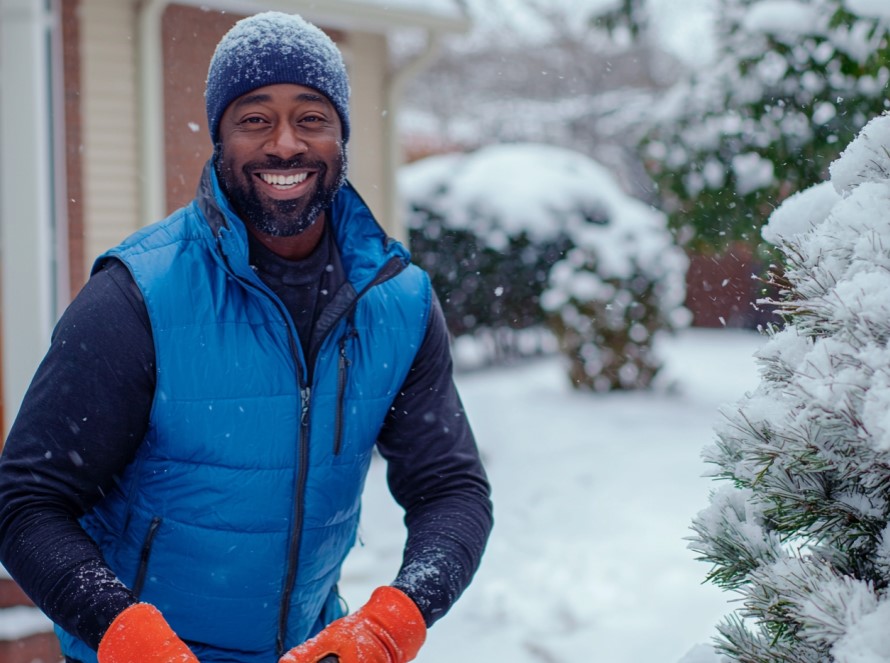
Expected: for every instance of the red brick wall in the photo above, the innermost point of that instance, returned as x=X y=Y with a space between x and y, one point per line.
x=720 y=290
x=11 y=594
x=189 y=36
x=73 y=142
x=39 y=648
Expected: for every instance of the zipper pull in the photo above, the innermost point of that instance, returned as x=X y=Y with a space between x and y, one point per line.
x=351 y=333
x=305 y=394
x=344 y=359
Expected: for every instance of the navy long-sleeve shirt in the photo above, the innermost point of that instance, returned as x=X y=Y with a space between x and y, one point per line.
x=87 y=410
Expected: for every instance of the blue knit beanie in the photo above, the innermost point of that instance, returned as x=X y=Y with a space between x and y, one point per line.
x=271 y=48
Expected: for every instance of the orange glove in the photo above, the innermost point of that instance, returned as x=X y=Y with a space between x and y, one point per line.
x=387 y=629
x=140 y=634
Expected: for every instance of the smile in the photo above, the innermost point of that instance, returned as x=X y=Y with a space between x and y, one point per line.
x=283 y=182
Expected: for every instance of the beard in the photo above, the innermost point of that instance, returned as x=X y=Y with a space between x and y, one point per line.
x=280 y=218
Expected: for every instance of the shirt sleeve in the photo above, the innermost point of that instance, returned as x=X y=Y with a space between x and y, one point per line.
x=435 y=473
x=80 y=423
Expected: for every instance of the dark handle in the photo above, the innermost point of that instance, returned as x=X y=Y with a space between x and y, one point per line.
x=330 y=658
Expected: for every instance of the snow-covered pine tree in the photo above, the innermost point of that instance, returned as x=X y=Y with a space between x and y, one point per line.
x=801 y=527
x=792 y=83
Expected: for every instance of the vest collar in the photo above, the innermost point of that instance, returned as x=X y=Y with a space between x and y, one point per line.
x=363 y=245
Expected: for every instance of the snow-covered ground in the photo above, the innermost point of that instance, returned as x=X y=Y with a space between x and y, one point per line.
x=593 y=496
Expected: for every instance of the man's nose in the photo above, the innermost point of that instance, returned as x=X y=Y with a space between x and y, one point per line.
x=286 y=142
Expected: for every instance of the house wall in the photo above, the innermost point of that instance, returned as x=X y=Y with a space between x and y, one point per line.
x=189 y=36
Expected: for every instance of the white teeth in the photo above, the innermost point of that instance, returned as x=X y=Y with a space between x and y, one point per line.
x=283 y=180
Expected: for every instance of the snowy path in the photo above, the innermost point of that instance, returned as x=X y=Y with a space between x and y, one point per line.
x=593 y=499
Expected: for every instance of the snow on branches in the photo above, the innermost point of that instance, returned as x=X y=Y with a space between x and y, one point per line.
x=801 y=529
x=793 y=81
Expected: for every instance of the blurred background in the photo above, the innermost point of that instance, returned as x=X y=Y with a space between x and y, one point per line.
x=583 y=179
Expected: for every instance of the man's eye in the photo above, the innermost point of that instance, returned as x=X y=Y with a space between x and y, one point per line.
x=253 y=120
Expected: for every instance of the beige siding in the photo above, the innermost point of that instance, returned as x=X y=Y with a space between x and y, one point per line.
x=109 y=112
x=366 y=57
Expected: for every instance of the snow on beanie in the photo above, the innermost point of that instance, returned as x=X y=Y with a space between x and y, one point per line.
x=272 y=48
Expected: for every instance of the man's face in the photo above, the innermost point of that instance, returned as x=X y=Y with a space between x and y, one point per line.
x=281 y=159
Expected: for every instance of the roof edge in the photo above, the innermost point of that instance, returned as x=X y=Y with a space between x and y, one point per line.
x=346 y=14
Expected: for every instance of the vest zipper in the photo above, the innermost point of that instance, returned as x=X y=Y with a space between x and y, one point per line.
x=389 y=270
x=145 y=554
x=343 y=365
x=293 y=548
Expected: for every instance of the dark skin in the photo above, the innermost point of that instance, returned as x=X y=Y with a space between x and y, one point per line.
x=262 y=130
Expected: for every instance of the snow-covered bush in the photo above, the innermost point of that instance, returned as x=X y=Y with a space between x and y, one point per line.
x=621 y=283
x=483 y=226
x=793 y=82
x=521 y=235
x=801 y=528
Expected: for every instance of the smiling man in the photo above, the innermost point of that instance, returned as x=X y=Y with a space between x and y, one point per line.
x=183 y=480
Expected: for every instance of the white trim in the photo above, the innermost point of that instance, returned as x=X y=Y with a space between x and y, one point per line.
x=349 y=14
x=151 y=109
x=395 y=85
x=25 y=235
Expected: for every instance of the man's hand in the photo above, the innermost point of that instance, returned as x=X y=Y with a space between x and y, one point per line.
x=140 y=634
x=387 y=629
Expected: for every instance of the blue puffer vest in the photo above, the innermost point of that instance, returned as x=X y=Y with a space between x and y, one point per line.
x=243 y=499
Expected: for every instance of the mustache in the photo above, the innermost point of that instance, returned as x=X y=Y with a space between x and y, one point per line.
x=277 y=163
